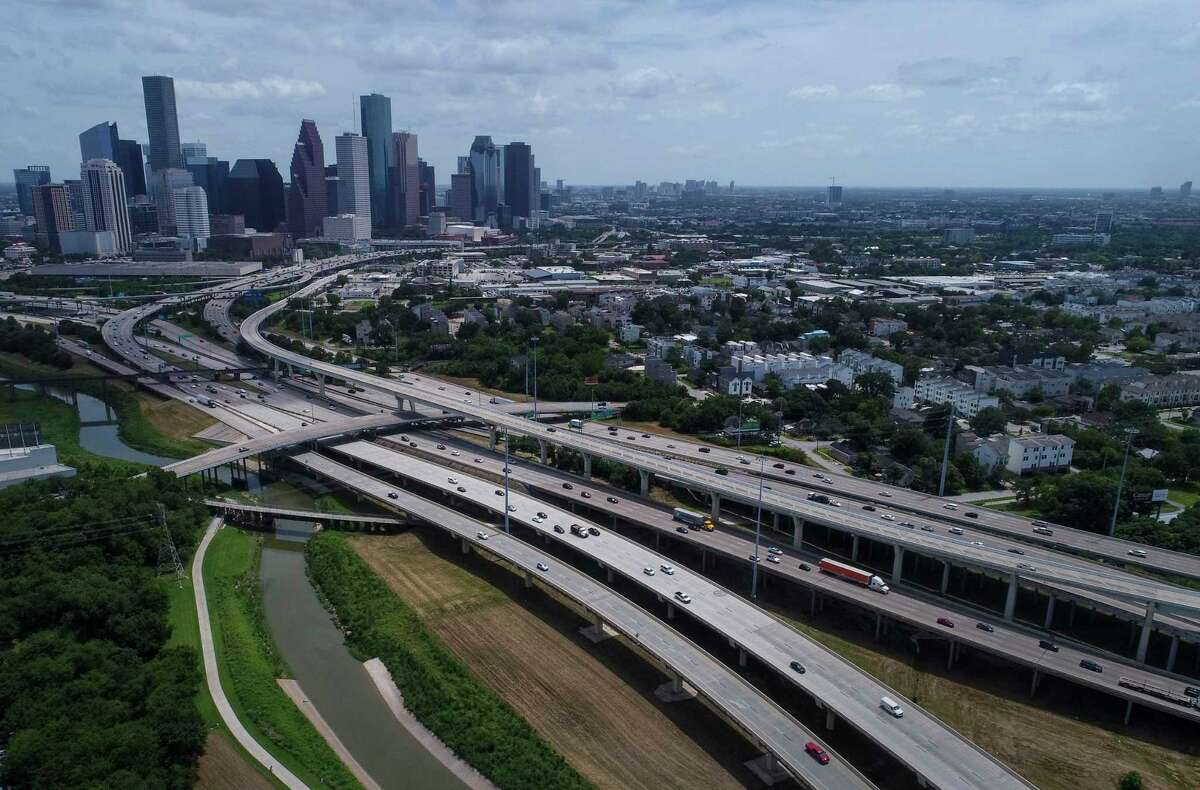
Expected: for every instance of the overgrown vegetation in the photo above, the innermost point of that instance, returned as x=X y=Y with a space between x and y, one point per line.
x=437 y=687
x=90 y=695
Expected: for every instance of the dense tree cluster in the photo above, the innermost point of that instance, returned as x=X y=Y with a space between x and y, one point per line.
x=33 y=342
x=89 y=694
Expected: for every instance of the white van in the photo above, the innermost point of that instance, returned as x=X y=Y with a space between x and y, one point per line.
x=889 y=704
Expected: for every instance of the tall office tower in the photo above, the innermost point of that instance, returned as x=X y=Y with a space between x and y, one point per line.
x=332 y=185
x=464 y=164
x=1156 y=193
x=129 y=157
x=834 y=195
x=26 y=179
x=376 y=111
x=194 y=152
x=163 y=184
x=306 y=198
x=404 y=181
x=191 y=216
x=462 y=200
x=354 y=175
x=1104 y=222
x=100 y=142
x=143 y=216
x=52 y=210
x=104 y=201
x=75 y=202
x=210 y=173
x=255 y=190
x=519 y=180
x=428 y=187
x=485 y=170
x=1185 y=190
x=162 y=122
x=558 y=186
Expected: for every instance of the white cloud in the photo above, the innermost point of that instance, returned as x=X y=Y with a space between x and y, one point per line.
x=646 y=83
x=888 y=92
x=268 y=87
x=815 y=92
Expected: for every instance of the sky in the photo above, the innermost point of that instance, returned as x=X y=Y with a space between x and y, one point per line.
x=954 y=93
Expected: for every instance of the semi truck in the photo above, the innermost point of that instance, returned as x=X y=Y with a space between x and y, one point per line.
x=856 y=575
x=691 y=517
x=575 y=425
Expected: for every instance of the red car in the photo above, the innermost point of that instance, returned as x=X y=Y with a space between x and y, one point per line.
x=946 y=621
x=819 y=754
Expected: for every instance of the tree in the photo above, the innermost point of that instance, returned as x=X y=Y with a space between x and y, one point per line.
x=909 y=443
x=989 y=421
x=876 y=384
x=1130 y=781
x=333 y=299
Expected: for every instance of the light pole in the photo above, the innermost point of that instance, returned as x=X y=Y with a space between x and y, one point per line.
x=534 y=341
x=757 y=529
x=506 y=480
x=946 y=452
x=739 y=425
x=1129 y=434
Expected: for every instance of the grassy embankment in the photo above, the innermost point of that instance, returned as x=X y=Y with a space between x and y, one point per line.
x=250 y=664
x=146 y=422
x=437 y=687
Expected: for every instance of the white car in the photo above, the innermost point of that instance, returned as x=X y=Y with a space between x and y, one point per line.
x=682 y=597
x=481 y=535
x=888 y=517
x=667 y=569
x=512 y=508
x=452 y=481
x=648 y=571
x=885 y=494
x=455 y=453
x=541 y=566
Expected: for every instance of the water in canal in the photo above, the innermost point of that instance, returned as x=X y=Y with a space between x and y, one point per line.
x=334 y=680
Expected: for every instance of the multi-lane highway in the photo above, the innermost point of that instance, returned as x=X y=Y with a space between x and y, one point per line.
x=778 y=732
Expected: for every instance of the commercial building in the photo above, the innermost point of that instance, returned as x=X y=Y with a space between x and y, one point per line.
x=404 y=181
x=92 y=243
x=254 y=189
x=99 y=142
x=347 y=228
x=52 y=211
x=353 y=176
x=248 y=245
x=428 y=187
x=1080 y=239
x=163 y=184
x=131 y=161
x=306 y=197
x=105 y=207
x=376 y=111
x=26 y=179
x=462 y=201
x=519 y=184
x=191 y=216
x=485 y=172
x=1029 y=454
x=210 y=174
x=162 y=123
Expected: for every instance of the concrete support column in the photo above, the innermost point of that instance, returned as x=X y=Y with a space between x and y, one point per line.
x=830 y=718
x=1071 y=616
x=1033 y=685
x=542 y=450
x=492 y=438
x=878 y=625
x=716 y=506
x=1128 y=710
x=1049 y=613
x=1010 y=603
x=775 y=521
x=854 y=547
x=945 y=576
x=644 y=479
x=1147 y=627
x=742 y=657
x=670 y=611
x=1173 y=653
x=703 y=560
x=897 y=564
x=587 y=466
x=528 y=581
x=609 y=574
x=950 y=657
x=466 y=547
x=797 y=532
x=321 y=384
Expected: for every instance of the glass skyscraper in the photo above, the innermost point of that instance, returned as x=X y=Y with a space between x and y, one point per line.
x=377 y=128
x=162 y=122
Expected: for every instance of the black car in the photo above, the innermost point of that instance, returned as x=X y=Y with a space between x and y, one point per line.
x=499 y=492
x=585 y=495
x=722 y=470
x=971 y=514
x=798 y=667
x=682 y=530
x=1046 y=644
x=804 y=566
x=441 y=447
x=1088 y=664
x=1016 y=551
x=559 y=529
x=870 y=508
x=613 y=500
x=777 y=466
x=551 y=430
x=789 y=471
x=593 y=531
x=705 y=450
x=984 y=627
x=568 y=486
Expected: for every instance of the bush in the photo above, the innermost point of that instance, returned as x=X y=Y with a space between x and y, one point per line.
x=1131 y=781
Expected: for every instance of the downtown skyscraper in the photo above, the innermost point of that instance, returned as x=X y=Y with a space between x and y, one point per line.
x=484 y=163
x=376 y=113
x=26 y=178
x=306 y=198
x=520 y=182
x=404 y=181
x=354 y=178
x=162 y=122
x=103 y=141
x=104 y=201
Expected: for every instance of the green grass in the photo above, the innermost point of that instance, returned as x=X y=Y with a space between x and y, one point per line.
x=249 y=663
x=1186 y=495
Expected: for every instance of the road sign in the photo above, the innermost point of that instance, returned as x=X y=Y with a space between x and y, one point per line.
x=1158 y=495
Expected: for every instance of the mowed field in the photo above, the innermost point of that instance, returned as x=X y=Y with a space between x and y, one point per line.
x=593 y=703
x=222 y=767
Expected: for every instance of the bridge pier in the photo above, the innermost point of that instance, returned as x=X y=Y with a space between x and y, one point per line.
x=854 y=548
x=528 y=580
x=945 y=576
x=897 y=564
x=587 y=466
x=742 y=657
x=878 y=625
x=674 y=690
x=768 y=769
x=797 y=532
x=466 y=547
x=644 y=479
x=321 y=384
x=830 y=718
x=1049 y=613
x=492 y=438
x=716 y=506
x=542 y=450
x=1147 y=627
x=670 y=611
x=597 y=631
x=1173 y=653
x=1128 y=710
x=1037 y=679
x=1010 y=601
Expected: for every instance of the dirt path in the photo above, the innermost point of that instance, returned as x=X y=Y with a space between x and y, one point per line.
x=606 y=724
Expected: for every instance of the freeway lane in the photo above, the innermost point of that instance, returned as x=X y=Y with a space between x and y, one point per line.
x=919 y=740
x=780 y=734
x=928 y=505
x=1014 y=642
x=1069 y=571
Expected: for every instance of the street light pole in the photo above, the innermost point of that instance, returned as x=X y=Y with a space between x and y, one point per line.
x=757 y=529
x=506 y=480
x=946 y=452
x=534 y=341
x=1129 y=434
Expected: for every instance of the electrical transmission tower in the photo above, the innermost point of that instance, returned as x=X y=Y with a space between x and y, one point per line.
x=168 y=557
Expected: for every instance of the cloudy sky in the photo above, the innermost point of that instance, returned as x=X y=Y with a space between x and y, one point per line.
x=1085 y=93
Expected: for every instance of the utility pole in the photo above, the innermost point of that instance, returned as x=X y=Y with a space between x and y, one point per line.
x=1129 y=434
x=946 y=452
x=534 y=341
x=762 y=460
x=506 y=480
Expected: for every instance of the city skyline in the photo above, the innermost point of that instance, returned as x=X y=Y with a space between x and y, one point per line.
x=988 y=94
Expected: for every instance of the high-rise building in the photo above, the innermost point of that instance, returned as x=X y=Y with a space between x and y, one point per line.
x=354 y=175
x=130 y=159
x=485 y=172
x=255 y=190
x=519 y=180
x=52 y=210
x=404 y=181
x=1104 y=222
x=100 y=142
x=163 y=184
x=462 y=201
x=306 y=198
x=1185 y=190
x=210 y=173
x=191 y=215
x=194 y=152
x=1156 y=193
x=376 y=111
x=143 y=216
x=75 y=202
x=104 y=201
x=26 y=179
x=162 y=122
x=332 y=185
x=428 y=188
x=833 y=196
